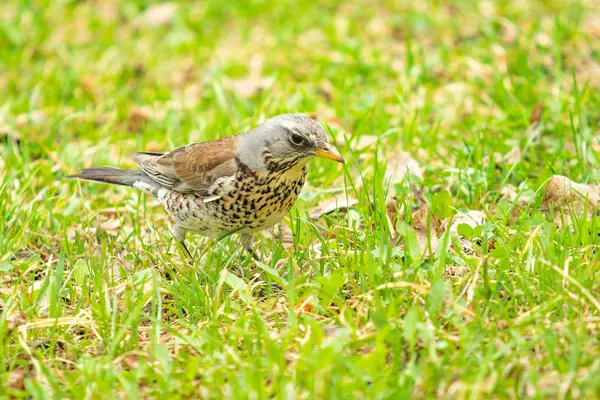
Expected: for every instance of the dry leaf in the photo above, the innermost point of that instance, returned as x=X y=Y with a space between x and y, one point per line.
x=107 y=10
x=15 y=320
x=426 y=236
x=157 y=15
x=509 y=31
x=398 y=168
x=248 y=87
x=131 y=361
x=325 y=90
x=311 y=38
x=33 y=118
x=340 y=202
x=510 y=192
x=254 y=83
x=512 y=157
x=335 y=122
x=111 y=226
x=304 y=307
x=330 y=329
x=281 y=233
x=536 y=114
x=561 y=189
x=74 y=230
x=365 y=141
x=543 y=40
x=565 y=195
x=138 y=116
x=16 y=379
x=473 y=219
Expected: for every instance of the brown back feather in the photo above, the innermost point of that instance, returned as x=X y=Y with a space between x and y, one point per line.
x=191 y=168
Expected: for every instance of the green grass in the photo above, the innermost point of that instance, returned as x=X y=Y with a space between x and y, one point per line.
x=108 y=308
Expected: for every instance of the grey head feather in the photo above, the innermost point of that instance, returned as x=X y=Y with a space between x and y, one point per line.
x=274 y=136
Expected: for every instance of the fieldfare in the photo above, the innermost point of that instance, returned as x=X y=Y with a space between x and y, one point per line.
x=238 y=184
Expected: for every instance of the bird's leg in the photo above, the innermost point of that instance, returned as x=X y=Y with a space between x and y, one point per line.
x=186 y=251
x=179 y=235
x=248 y=244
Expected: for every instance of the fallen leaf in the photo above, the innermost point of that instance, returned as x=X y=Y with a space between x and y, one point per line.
x=330 y=329
x=131 y=361
x=509 y=31
x=426 y=236
x=340 y=202
x=138 y=117
x=304 y=307
x=561 y=189
x=111 y=226
x=512 y=157
x=248 y=87
x=41 y=196
x=326 y=89
x=310 y=38
x=566 y=196
x=78 y=229
x=335 y=122
x=425 y=228
x=15 y=320
x=471 y=218
x=511 y=193
x=363 y=142
x=32 y=118
x=536 y=114
x=16 y=379
x=88 y=84
x=543 y=40
x=107 y=10
x=401 y=166
x=281 y=233
x=157 y=15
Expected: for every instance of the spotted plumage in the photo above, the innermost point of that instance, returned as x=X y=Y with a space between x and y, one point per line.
x=238 y=184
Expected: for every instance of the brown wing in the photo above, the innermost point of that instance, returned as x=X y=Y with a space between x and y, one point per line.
x=193 y=168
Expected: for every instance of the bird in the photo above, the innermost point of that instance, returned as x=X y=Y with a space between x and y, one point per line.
x=240 y=184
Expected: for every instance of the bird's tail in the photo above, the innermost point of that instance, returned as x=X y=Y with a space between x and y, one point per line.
x=112 y=175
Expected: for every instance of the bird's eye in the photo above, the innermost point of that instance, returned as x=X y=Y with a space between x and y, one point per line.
x=297 y=139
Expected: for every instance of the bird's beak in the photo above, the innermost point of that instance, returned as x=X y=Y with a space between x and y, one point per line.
x=330 y=152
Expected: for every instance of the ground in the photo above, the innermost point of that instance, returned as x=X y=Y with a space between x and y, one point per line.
x=448 y=258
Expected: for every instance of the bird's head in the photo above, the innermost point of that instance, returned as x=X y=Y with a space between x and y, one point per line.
x=286 y=141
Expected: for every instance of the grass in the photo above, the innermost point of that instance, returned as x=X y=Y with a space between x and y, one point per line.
x=96 y=302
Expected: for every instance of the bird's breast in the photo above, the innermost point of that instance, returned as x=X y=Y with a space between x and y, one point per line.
x=265 y=199
x=253 y=203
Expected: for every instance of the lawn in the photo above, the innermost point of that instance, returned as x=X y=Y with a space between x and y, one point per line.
x=454 y=255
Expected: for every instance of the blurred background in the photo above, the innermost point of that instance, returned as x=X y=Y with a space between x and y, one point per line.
x=154 y=75
x=482 y=101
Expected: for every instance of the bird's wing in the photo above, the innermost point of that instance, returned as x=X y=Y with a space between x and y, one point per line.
x=206 y=168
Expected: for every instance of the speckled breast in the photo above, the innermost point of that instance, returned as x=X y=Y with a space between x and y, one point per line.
x=256 y=202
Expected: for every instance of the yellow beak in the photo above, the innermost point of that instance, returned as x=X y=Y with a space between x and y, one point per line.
x=330 y=152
